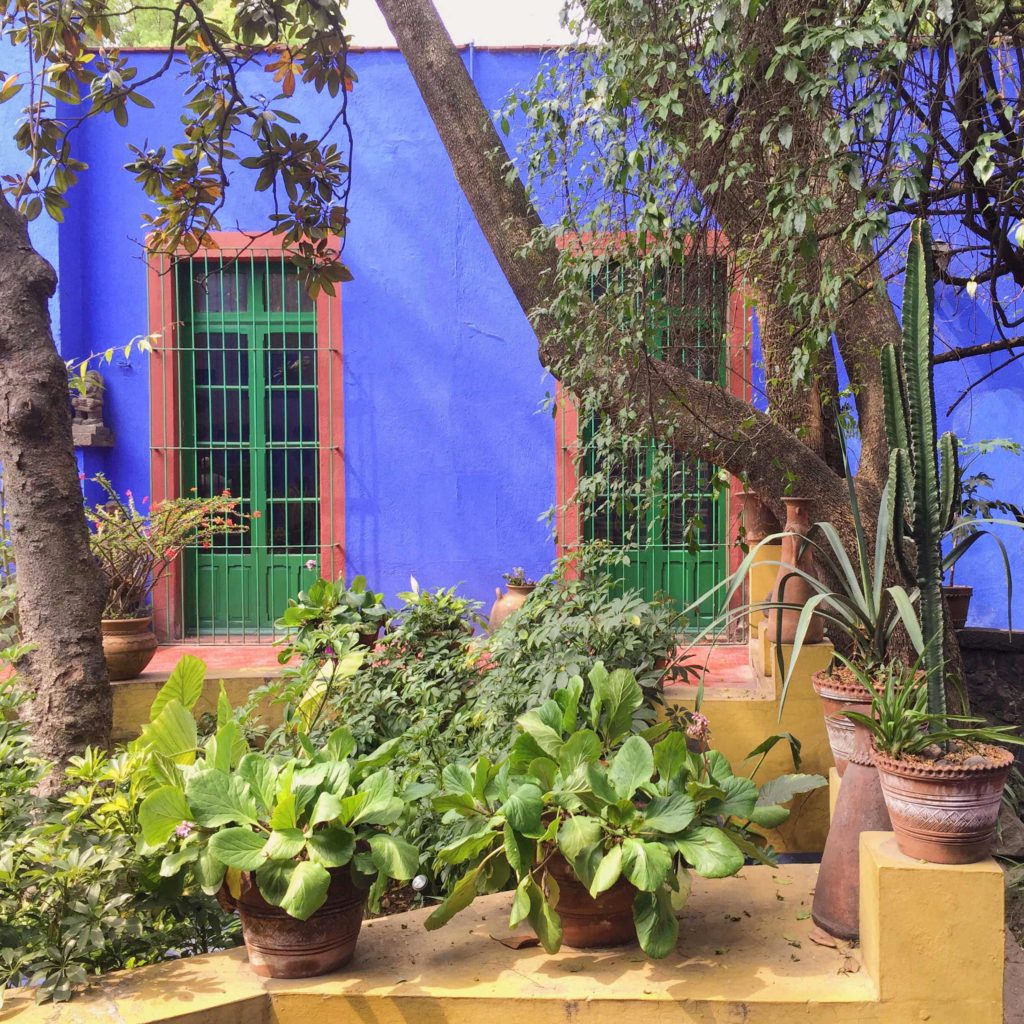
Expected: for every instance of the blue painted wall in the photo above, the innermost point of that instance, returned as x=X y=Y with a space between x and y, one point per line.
x=450 y=461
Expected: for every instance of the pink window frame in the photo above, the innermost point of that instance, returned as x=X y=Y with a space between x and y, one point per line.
x=569 y=517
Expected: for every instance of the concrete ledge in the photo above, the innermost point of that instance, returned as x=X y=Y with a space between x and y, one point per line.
x=932 y=951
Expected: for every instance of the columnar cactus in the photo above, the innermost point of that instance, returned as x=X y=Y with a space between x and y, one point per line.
x=922 y=470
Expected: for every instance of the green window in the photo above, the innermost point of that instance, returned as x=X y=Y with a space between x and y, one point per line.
x=655 y=505
x=247 y=378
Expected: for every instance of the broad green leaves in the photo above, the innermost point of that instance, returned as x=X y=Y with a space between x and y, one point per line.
x=161 y=813
x=631 y=768
x=184 y=685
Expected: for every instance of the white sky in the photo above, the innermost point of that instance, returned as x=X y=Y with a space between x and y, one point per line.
x=485 y=22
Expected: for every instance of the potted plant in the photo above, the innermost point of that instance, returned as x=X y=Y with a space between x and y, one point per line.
x=970 y=507
x=933 y=768
x=937 y=777
x=317 y=618
x=135 y=550
x=295 y=842
x=597 y=827
x=520 y=586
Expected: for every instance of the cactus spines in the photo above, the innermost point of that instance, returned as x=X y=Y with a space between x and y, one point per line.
x=921 y=483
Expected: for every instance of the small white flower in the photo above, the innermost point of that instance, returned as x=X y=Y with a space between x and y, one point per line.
x=311 y=563
x=972 y=288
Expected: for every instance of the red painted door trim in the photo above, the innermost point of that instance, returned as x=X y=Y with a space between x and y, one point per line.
x=165 y=436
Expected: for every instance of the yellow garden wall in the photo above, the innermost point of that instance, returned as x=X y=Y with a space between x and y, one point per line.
x=932 y=950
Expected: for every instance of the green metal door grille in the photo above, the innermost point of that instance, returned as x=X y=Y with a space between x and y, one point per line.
x=244 y=380
x=647 y=500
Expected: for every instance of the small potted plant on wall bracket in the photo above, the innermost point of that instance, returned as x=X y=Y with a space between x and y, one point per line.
x=87 y=427
x=135 y=548
x=294 y=842
x=941 y=774
x=595 y=827
x=971 y=508
x=520 y=587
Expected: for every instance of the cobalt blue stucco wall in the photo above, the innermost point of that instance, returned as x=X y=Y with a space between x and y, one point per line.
x=449 y=460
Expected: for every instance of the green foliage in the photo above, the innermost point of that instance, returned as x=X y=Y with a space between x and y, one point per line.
x=577 y=616
x=319 y=618
x=577 y=783
x=135 y=547
x=218 y=808
x=79 y=894
x=78 y=63
x=901 y=724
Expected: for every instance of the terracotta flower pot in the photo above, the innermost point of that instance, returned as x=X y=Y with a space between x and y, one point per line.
x=797 y=591
x=945 y=813
x=128 y=646
x=958 y=601
x=505 y=604
x=280 y=946
x=589 y=923
x=758 y=519
x=860 y=807
x=838 y=694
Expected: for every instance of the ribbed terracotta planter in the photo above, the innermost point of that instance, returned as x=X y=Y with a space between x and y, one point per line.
x=128 y=646
x=944 y=814
x=589 y=923
x=506 y=603
x=839 y=695
x=279 y=946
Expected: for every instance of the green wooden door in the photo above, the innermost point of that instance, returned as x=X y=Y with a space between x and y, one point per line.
x=248 y=405
x=661 y=509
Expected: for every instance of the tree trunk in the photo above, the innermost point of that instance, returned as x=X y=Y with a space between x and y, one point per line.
x=61 y=591
x=695 y=416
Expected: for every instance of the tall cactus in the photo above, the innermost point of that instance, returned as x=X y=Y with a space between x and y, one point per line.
x=922 y=470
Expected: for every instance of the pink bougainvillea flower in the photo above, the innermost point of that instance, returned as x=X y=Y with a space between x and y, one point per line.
x=226 y=493
x=310 y=563
x=81 y=476
x=145 y=499
x=257 y=514
x=170 y=553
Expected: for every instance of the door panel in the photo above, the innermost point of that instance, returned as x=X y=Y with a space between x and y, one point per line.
x=248 y=372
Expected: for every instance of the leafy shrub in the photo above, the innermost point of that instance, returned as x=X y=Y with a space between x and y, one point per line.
x=566 y=626
x=77 y=898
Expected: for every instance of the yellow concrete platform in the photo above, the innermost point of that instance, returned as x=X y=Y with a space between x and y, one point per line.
x=744 y=954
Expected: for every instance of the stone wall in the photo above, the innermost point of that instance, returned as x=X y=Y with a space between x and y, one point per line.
x=994 y=665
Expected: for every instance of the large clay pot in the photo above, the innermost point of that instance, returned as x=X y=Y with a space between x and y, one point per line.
x=589 y=923
x=280 y=946
x=945 y=814
x=860 y=807
x=796 y=554
x=758 y=519
x=839 y=694
x=958 y=603
x=505 y=604
x=128 y=646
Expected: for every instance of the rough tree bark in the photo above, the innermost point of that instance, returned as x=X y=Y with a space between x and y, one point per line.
x=695 y=416
x=60 y=588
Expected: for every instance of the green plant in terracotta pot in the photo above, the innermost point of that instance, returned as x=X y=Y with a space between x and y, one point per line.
x=135 y=547
x=938 y=789
x=316 y=619
x=294 y=841
x=597 y=827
